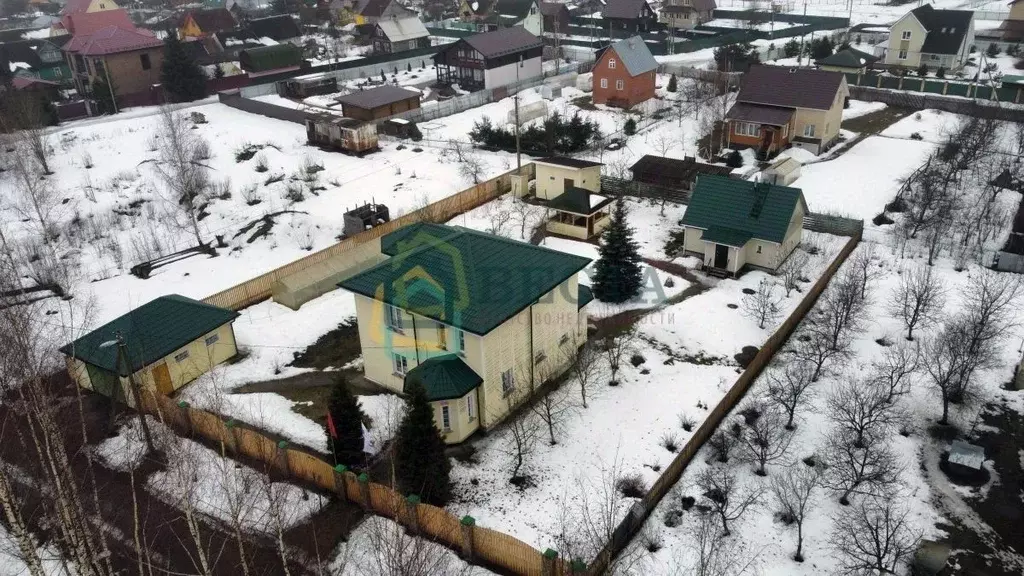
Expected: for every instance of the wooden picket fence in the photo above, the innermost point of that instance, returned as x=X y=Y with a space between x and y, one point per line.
x=261 y=287
x=474 y=543
x=633 y=521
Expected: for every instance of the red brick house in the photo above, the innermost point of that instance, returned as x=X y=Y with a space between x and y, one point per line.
x=624 y=73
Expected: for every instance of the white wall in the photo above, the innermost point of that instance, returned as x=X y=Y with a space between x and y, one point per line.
x=534 y=23
x=505 y=75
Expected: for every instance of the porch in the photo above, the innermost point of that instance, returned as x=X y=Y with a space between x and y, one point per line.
x=579 y=214
x=724 y=251
x=468 y=75
x=765 y=128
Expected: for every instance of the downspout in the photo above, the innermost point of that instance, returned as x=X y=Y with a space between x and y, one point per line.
x=532 y=364
x=415 y=339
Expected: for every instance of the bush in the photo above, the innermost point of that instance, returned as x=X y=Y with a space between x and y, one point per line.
x=673 y=517
x=630 y=128
x=821 y=47
x=940 y=72
x=722 y=444
x=414 y=132
x=993 y=50
x=734 y=160
x=881 y=219
x=916 y=136
x=673 y=84
x=686 y=422
x=670 y=442
x=554 y=136
x=652 y=540
x=1013 y=50
x=669 y=282
x=791 y=48
x=922 y=70
x=1019 y=64
x=637 y=359
x=631 y=486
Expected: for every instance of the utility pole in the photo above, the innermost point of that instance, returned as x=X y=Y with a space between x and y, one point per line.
x=124 y=360
x=519 y=161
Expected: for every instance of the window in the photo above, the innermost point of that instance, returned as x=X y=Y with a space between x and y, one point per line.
x=144 y=59
x=212 y=339
x=809 y=130
x=460 y=337
x=619 y=84
x=540 y=357
x=611 y=63
x=604 y=82
x=471 y=405
x=747 y=129
x=181 y=357
x=394 y=319
x=933 y=56
x=401 y=364
x=902 y=55
x=906 y=35
x=508 y=384
x=564 y=340
x=758 y=248
x=442 y=337
x=446 y=419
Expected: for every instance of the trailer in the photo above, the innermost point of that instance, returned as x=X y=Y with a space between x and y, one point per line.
x=305 y=87
x=343 y=134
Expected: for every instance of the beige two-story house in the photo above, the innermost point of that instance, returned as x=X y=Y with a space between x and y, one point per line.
x=780 y=106
x=478 y=320
x=571 y=188
x=686 y=14
x=732 y=224
x=938 y=38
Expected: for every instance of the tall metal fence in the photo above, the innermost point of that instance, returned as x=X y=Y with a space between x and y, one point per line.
x=940 y=87
x=634 y=521
x=979 y=108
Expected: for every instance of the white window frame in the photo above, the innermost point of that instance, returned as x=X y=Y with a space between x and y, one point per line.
x=508 y=383
x=604 y=83
x=181 y=356
x=460 y=339
x=400 y=364
x=620 y=85
x=905 y=35
x=809 y=130
x=393 y=318
x=611 y=63
x=212 y=339
x=446 y=418
x=902 y=55
x=470 y=405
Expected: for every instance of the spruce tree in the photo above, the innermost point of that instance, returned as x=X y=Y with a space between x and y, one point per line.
x=182 y=78
x=421 y=466
x=347 y=417
x=618 y=275
x=673 y=84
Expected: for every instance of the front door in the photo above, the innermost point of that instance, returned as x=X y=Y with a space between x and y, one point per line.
x=721 y=256
x=569 y=183
x=162 y=377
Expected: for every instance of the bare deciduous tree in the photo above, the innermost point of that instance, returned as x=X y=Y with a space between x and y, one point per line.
x=726 y=497
x=789 y=387
x=389 y=549
x=710 y=553
x=766 y=439
x=472 y=166
x=722 y=444
x=918 y=299
x=865 y=267
x=552 y=408
x=617 y=348
x=763 y=306
x=873 y=537
x=795 y=493
x=864 y=408
x=181 y=166
x=895 y=370
x=870 y=469
x=791 y=270
x=520 y=440
x=584 y=364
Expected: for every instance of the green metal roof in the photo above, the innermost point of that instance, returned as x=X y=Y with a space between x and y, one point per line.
x=443 y=377
x=726 y=236
x=848 y=58
x=151 y=332
x=578 y=201
x=728 y=207
x=584 y=295
x=467 y=279
x=392 y=243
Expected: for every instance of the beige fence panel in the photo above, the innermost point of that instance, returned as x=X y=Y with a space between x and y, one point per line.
x=255 y=445
x=386 y=501
x=439 y=525
x=504 y=550
x=311 y=469
x=674 y=471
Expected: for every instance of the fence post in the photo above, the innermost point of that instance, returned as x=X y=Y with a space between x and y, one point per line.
x=228 y=441
x=364 y=490
x=339 y=481
x=186 y=416
x=281 y=456
x=548 y=563
x=412 y=518
x=467 y=523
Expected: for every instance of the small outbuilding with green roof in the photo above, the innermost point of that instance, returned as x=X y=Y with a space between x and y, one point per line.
x=477 y=319
x=732 y=224
x=167 y=343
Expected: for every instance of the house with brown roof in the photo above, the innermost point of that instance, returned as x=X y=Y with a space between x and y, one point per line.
x=779 y=106
x=379 y=102
x=397 y=34
x=570 y=188
x=126 y=60
x=490 y=60
x=205 y=23
x=624 y=73
x=631 y=16
x=555 y=16
x=686 y=14
x=673 y=172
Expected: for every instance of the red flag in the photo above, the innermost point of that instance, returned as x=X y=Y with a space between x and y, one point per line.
x=330 y=426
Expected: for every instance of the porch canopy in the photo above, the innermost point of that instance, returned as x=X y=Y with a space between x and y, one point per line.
x=726 y=236
x=579 y=201
x=443 y=377
x=768 y=115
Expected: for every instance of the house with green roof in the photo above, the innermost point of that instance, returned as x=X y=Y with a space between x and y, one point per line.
x=732 y=224
x=848 y=61
x=168 y=342
x=478 y=320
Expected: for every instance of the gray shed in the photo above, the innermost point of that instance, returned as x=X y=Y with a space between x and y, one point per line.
x=783 y=172
x=966 y=456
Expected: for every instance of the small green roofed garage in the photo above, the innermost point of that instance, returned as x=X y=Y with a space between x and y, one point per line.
x=444 y=378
